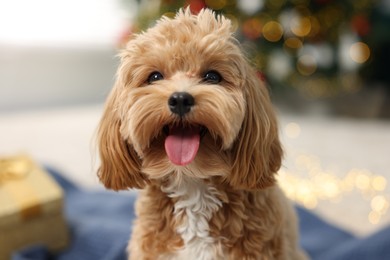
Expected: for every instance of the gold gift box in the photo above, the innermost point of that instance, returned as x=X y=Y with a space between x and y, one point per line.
x=31 y=207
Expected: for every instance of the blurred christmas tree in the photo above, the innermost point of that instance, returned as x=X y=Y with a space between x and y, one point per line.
x=319 y=48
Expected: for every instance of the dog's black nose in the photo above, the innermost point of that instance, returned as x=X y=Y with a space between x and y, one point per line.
x=180 y=103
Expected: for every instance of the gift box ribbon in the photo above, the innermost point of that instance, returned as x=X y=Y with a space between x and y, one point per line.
x=13 y=175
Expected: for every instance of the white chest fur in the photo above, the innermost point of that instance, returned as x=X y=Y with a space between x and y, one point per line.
x=195 y=205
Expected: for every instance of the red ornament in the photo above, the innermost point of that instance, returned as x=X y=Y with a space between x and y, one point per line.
x=360 y=24
x=252 y=28
x=195 y=5
x=125 y=36
x=261 y=76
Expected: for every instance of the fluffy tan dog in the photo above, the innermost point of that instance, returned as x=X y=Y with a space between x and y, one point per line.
x=190 y=124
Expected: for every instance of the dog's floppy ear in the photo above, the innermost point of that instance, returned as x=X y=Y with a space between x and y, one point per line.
x=257 y=153
x=120 y=165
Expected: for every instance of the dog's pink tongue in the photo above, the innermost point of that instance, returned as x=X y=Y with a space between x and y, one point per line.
x=182 y=144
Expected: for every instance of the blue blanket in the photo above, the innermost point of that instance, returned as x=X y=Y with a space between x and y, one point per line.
x=100 y=224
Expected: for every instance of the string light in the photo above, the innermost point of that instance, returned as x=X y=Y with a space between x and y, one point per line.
x=311 y=184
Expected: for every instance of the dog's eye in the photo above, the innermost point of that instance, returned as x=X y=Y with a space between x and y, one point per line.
x=155 y=76
x=212 y=77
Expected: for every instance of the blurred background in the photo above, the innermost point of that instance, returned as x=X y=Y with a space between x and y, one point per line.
x=325 y=62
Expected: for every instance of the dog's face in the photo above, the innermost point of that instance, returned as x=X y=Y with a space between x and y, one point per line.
x=187 y=102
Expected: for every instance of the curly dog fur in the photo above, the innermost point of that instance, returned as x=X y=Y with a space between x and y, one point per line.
x=190 y=124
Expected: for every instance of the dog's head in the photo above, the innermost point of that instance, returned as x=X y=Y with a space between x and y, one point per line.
x=187 y=102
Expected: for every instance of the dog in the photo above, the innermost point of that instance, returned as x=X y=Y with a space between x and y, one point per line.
x=189 y=123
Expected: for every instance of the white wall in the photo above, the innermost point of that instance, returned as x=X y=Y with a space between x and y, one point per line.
x=36 y=77
x=58 y=52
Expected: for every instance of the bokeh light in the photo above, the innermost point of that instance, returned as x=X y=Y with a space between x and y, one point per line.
x=306 y=65
x=379 y=183
x=292 y=130
x=169 y=14
x=292 y=44
x=252 y=28
x=359 y=52
x=311 y=185
x=250 y=7
x=379 y=203
x=272 y=31
x=315 y=26
x=374 y=217
x=300 y=26
x=325 y=42
x=279 y=64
